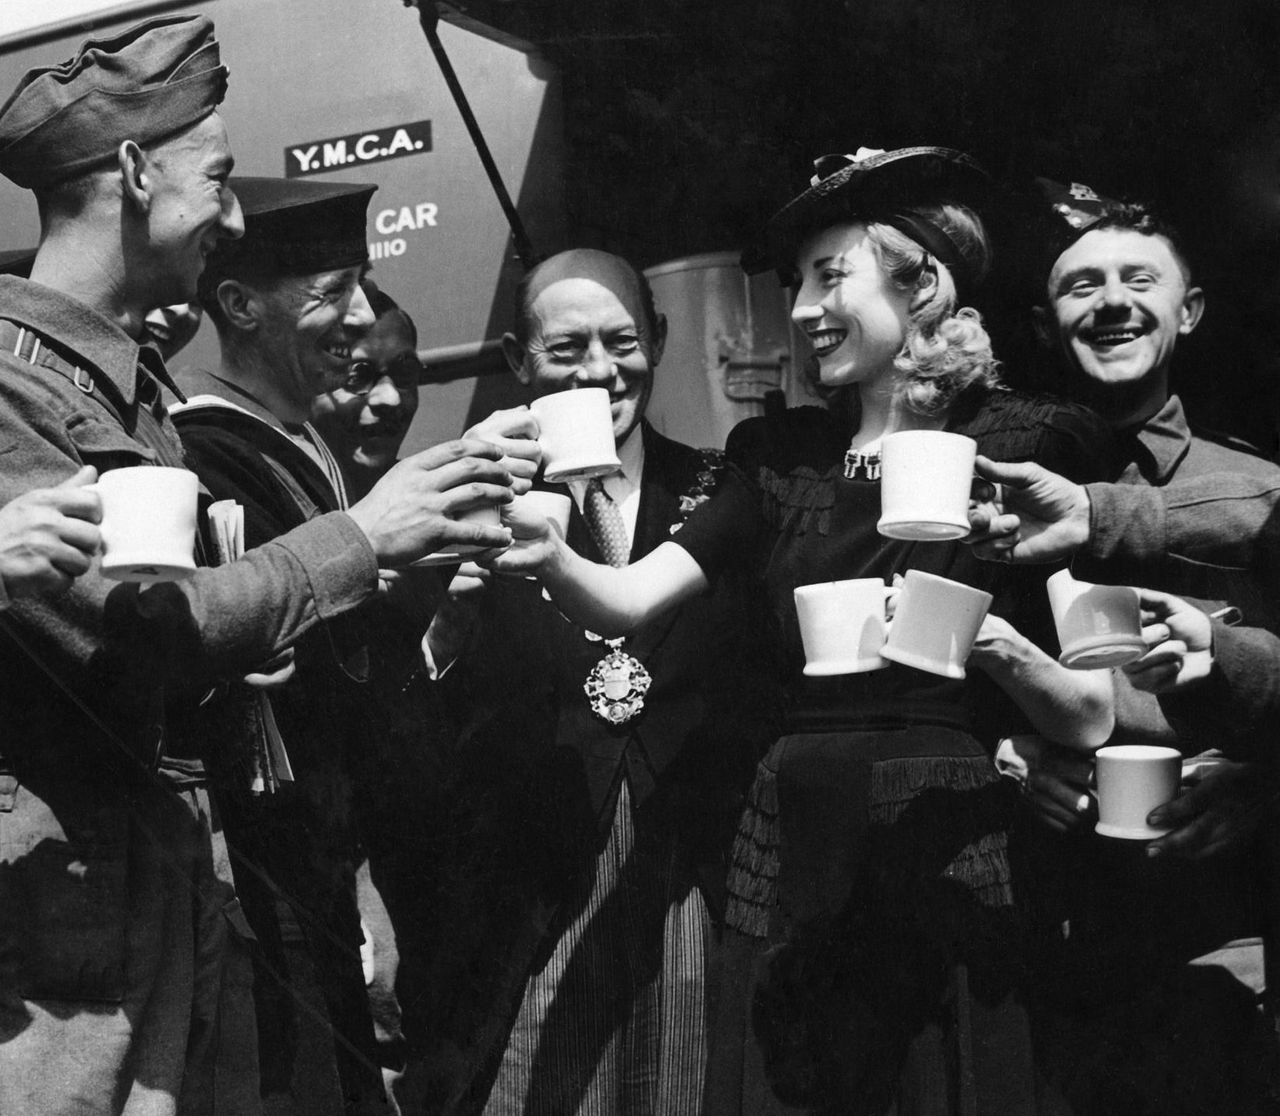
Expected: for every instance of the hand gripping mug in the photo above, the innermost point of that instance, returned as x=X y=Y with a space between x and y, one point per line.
x=148 y=523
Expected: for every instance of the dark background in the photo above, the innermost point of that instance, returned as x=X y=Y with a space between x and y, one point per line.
x=689 y=121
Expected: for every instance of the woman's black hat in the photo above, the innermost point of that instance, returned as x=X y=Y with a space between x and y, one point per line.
x=881 y=186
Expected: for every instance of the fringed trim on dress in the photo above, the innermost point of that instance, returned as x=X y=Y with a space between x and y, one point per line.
x=753 y=870
x=799 y=500
x=982 y=864
x=895 y=782
x=983 y=868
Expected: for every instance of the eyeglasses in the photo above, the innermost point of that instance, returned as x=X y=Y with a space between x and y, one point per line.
x=405 y=372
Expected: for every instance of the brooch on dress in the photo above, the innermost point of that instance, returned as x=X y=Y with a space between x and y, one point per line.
x=709 y=473
x=862 y=466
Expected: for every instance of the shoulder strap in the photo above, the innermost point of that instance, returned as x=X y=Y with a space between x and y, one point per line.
x=37 y=350
x=145 y=426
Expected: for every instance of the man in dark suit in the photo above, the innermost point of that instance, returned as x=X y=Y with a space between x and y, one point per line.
x=597 y=829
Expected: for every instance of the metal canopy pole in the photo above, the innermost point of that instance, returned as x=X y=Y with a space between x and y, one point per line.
x=429 y=17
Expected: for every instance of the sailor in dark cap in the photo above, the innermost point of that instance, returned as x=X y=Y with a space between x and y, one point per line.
x=286 y=300
x=112 y=931
x=289 y=309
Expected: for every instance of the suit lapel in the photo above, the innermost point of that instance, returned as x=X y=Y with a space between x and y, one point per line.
x=659 y=493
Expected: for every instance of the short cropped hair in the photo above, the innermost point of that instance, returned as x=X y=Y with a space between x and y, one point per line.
x=1126 y=216
x=523 y=303
x=382 y=304
x=1142 y=218
x=67 y=198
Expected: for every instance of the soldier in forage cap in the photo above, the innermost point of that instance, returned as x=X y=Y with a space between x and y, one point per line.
x=1154 y=982
x=114 y=950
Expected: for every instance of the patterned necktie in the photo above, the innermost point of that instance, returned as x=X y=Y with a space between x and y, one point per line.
x=604 y=518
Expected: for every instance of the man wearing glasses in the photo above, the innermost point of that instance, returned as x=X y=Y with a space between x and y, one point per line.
x=402 y=787
x=290 y=313
x=365 y=420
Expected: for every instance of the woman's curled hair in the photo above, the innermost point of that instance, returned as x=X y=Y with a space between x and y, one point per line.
x=947 y=349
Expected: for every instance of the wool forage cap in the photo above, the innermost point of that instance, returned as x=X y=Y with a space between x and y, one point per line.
x=145 y=84
x=873 y=185
x=1056 y=215
x=292 y=226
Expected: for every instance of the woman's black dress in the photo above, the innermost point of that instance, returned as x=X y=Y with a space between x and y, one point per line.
x=874 y=944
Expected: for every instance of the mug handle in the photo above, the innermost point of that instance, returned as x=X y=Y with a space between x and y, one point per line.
x=891 y=593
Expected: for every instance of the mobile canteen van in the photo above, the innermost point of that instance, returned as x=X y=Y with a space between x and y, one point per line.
x=349 y=90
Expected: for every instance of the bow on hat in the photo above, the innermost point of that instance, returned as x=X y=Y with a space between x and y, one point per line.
x=824 y=166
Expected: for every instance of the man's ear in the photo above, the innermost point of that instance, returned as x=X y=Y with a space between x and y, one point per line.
x=514 y=352
x=1044 y=324
x=1192 y=310
x=659 y=339
x=135 y=175
x=239 y=304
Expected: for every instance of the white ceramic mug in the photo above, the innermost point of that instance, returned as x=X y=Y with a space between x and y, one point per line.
x=1098 y=625
x=533 y=509
x=935 y=624
x=489 y=516
x=841 y=625
x=1133 y=779
x=536 y=507
x=576 y=434
x=148 y=523
x=925 y=480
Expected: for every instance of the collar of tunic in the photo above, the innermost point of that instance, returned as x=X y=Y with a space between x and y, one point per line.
x=1166 y=437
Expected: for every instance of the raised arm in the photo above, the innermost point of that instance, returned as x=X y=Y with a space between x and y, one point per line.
x=611 y=601
x=1213 y=680
x=1075 y=708
x=1230 y=519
